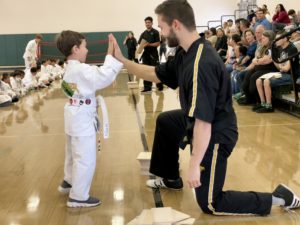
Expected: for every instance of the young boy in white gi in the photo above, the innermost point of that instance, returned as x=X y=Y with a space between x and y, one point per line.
x=80 y=83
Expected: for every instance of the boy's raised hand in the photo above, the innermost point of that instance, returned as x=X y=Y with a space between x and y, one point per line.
x=117 y=51
x=110 y=49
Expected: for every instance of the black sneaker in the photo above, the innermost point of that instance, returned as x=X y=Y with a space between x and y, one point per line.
x=146 y=91
x=265 y=110
x=257 y=107
x=90 y=202
x=292 y=201
x=165 y=183
x=64 y=187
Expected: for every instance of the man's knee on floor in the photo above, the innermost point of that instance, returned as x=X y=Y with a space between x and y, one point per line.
x=202 y=200
x=204 y=206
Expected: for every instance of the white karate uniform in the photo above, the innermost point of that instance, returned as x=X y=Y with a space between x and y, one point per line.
x=30 y=53
x=80 y=122
x=5 y=89
x=29 y=81
x=17 y=86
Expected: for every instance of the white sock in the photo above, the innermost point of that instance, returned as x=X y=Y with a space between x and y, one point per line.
x=278 y=201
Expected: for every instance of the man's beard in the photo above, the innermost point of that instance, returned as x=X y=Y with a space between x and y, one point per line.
x=172 y=40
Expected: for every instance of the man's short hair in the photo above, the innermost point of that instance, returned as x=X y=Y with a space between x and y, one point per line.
x=39 y=36
x=66 y=40
x=149 y=18
x=177 y=9
x=230 y=20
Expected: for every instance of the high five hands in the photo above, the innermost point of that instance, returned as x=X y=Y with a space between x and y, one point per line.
x=114 y=49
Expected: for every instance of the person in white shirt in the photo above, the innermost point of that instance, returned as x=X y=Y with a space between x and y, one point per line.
x=30 y=81
x=16 y=83
x=80 y=83
x=6 y=89
x=30 y=55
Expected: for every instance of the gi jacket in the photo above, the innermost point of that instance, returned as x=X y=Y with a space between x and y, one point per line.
x=85 y=80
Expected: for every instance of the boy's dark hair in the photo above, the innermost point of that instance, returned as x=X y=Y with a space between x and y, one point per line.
x=16 y=73
x=236 y=38
x=60 y=62
x=66 y=40
x=177 y=9
x=33 y=70
x=243 y=50
x=149 y=18
x=282 y=33
x=5 y=76
x=291 y=12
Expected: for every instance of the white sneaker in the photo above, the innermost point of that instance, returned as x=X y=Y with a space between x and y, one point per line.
x=164 y=183
x=90 y=202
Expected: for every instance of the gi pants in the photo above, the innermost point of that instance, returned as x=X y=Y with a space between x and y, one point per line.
x=169 y=132
x=148 y=60
x=80 y=162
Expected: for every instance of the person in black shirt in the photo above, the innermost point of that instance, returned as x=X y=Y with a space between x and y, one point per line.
x=150 y=54
x=131 y=44
x=206 y=120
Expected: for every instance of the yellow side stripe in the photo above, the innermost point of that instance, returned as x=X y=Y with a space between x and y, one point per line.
x=211 y=188
x=195 y=76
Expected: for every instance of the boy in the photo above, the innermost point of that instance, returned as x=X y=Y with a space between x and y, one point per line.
x=81 y=81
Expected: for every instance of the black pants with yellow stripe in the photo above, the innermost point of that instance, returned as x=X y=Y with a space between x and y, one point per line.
x=170 y=129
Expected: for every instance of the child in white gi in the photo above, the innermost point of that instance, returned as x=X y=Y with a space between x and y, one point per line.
x=80 y=83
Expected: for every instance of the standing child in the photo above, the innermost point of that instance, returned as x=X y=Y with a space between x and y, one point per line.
x=81 y=81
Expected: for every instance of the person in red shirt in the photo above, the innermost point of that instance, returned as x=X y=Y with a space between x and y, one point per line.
x=280 y=18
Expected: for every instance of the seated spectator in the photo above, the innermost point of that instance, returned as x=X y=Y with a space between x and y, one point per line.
x=295 y=39
x=240 y=75
x=221 y=43
x=260 y=65
x=267 y=13
x=230 y=29
x=232 y=52
x=251 y=15
x=294 y=18
x=262 y=20
x=268 y=81
x=212 y=36
x=280 y=18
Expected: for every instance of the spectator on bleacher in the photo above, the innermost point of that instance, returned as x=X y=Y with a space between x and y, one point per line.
x=267 y=13
x=262 y=20
x=244 y=25
x=212 y=36
x=5 y=88
x=221 y=44
x=230 y=29
x=237 y=27
x=241 y=74
x=31 y=52
x=294 y=18
x=238 y=67
x=252 y=44
x=280 y=18
x=232 y=52
x=245 y=61
x=295 y=38
x=251 y=15
x=265 y=83
x=260 y=65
